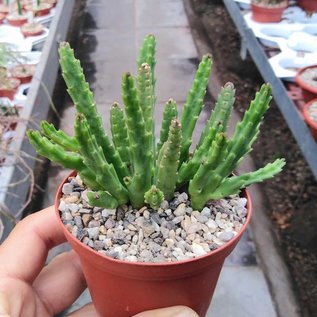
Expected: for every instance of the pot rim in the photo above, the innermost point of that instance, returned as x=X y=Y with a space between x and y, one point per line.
x=302 y=83
x=150 y=264
x=307 y=118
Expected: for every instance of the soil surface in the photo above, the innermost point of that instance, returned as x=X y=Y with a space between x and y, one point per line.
x=292 y=195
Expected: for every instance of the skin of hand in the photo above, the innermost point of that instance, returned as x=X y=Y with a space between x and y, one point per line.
x=28 y=288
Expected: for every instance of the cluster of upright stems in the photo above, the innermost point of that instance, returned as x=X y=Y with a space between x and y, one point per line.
x=134 y=168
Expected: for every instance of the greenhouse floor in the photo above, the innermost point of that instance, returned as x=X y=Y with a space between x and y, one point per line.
x=108 y=46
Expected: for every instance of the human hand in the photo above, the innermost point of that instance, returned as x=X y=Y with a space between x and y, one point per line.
x=29 y=289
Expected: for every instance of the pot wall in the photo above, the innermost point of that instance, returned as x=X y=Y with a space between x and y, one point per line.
x=123 y=289
x=267 y=14
x=311 y=123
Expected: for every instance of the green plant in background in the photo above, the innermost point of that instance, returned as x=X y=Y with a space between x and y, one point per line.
x=20 y=12
x=133 y=167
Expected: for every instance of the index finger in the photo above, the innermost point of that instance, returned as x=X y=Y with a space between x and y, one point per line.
x=24 y=252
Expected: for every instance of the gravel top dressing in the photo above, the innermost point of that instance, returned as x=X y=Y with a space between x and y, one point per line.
x=172 y=233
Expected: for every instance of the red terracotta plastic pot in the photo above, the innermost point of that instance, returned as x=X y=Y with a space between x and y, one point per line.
x=9 y=92
x=32 y=29
x=309 y=92
x=16 y=20
x=123 y=289
x=268 y=14
x=23 y=72
x=311 y=123
x=43 y=9
x=308 y=5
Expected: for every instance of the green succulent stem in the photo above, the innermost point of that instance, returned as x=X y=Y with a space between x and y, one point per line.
x=59 y=137
x=95 y=160
x=83 y=99
x=194 y=104
x=146 y=100
x=120 y=133
x=147 y=55
x=102 y=199
x=154 y=197
x=140 y=145
x=167 y=167
x=217 y=123
x=170 y=113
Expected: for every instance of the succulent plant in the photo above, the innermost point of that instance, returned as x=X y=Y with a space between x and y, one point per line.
x=133 y=167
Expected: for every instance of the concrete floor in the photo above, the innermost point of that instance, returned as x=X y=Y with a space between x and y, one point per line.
x=112 y=34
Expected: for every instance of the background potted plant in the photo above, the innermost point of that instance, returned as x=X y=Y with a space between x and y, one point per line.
x=268 y=11
x=142 y=241
x=306 y=79
x=8 y=85
x=17 y=18
x=40 y=8
x=32 y=28
x=310 y=116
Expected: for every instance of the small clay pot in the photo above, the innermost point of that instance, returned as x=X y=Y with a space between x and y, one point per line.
x=42 y=9
x=16 y=19
x=309 y=92
x=32 y=29
x=268 y=14
x=23 y=72
x=8 y=88
x=308 y=119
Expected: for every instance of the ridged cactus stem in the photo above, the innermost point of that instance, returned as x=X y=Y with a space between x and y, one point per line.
x=84 y=102
x=167 y=167
x=95 y=160
x=154 y=197
x=170 y=113
x=102 y=199
x=188 y=169
x=57 y=154
x=232 y=185
x=246 y=130
x=146 y=100
x=147 y=55
x=205 y=179
x=194 y=104
x=60 y=137
x=140 y=149
x=120 y=134
x=217 y=123
x=220 y=114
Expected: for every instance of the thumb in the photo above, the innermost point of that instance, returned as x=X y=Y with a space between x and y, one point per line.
x=4 y=305
x=176 y=311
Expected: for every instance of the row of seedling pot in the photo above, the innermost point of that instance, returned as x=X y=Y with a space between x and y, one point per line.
x=306 y=79
x=20 y=14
